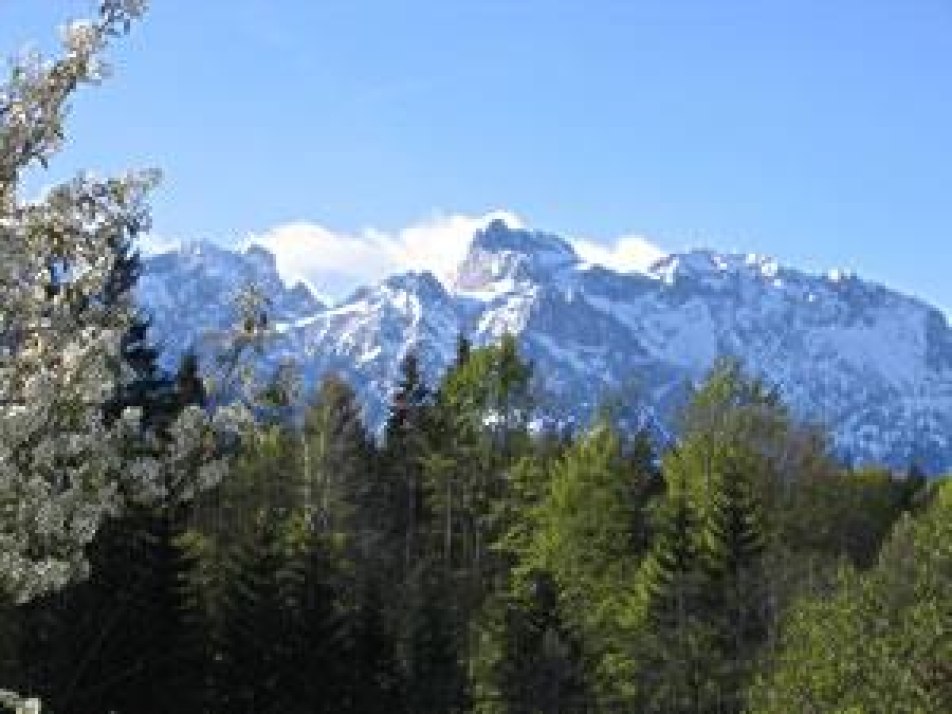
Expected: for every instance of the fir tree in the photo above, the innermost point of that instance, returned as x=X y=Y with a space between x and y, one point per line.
x=674 y=648
x=139 y=381
x=256 y=624
x=372 y=675
x=405 y=446
x=436 y=675
x=338 y=479
x=734 y=543
x=541 y=669
x=189 y=385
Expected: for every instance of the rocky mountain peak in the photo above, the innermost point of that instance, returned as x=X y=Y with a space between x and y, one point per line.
x=872 y=365
x=501 y=253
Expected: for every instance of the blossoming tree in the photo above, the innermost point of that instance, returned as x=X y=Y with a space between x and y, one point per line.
x=62 y=470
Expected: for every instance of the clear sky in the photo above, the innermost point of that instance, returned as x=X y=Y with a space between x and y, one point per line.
x=818 y=132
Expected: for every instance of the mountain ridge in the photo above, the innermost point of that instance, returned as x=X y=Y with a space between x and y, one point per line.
x=870 y=363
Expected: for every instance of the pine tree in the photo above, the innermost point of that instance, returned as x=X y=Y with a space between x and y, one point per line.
x=189 y=386
x=317 y=669
x=339 y=481
x=372 y=676
x=479 y=429
x=734 y=542
x=116 y=642
x=881 y=641
x=583 y=537
x=256 y=624
x=405 y=445
x=464 y=348
x=436 y=676
x=139 y=380
x=540 y=669
x=673 y=649
x=647 y=485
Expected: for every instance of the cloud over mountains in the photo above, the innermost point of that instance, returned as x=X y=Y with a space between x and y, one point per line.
x=333 y=263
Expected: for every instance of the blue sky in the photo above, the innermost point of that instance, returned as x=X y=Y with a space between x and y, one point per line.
x=818 y=132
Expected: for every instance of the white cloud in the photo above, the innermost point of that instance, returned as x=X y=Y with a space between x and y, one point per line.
x=152 y=244
x=626 y=254
x=333 y=263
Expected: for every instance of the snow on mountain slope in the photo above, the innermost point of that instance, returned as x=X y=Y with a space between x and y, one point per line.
x=190 y=291
x=873 y=365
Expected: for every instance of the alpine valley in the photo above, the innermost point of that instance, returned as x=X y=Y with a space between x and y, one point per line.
x=872 y=365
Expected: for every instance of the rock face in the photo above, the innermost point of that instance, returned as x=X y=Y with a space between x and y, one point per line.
x=873 y=365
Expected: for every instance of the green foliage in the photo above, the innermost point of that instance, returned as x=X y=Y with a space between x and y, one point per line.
x=436 y=676
x=850 y=513
x=883 y=643
x=538 y=667
x=405 y=448
x=465 y=564
x=583 y=536
x=337 y=468
x=707 y=586
x=675 y=639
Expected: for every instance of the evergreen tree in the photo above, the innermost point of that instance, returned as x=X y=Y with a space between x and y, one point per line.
x=139 y=380
x=405 y=446
x=189 y=385
x=118 y=641
x=584 y=538
x=881 y=642
x=480 y=429
x=339 y=480
x=734 y=543
x=317 y=669
x=373 y=679
x=256 y=624
x=436 y=678
x=674 y=646
x=464 y=348
x=540 y=668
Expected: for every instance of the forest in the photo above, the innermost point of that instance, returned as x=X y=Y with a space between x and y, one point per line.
x=465 y=562
x=212 y=539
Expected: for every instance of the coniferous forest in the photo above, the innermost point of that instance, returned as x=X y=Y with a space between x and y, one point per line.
x=462 y=562
x=214 y=540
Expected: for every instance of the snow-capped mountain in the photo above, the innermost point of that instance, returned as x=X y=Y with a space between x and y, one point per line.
x=872 y=364
x=189 y=292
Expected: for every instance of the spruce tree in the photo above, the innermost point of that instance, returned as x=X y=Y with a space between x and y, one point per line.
x=256 y=623
x=673 y=648
x=540 y=669
x=583 y=537
x=734 y=542
x=436 y=675
x=881 y=640
x=118 y=641
x=405 y=445
x=338 y=480
x=372 y=676
x=189 y=385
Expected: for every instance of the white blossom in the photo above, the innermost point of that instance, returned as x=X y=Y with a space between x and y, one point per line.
x=62 y=469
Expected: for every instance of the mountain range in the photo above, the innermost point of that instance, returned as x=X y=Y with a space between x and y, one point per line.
x=870 y=364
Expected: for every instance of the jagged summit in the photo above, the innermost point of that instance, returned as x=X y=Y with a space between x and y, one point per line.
x=705 y=264
x=499 y=237
x=500 y=253
x=871 y=364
